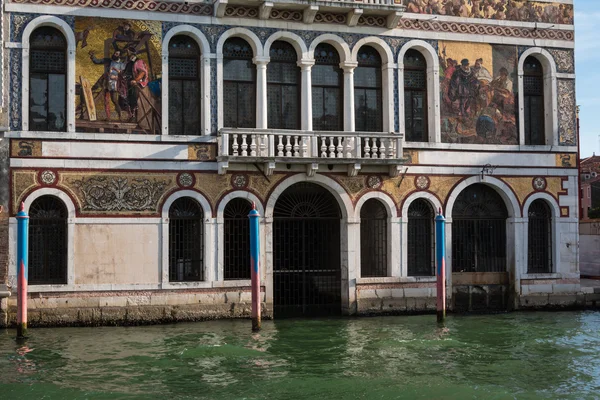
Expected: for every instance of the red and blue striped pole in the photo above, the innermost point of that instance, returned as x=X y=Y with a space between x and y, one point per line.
x=440 y=245
x=22 y=250
x=255 y=265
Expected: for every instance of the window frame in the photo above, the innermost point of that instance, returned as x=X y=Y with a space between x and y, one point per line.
x=378 y=89
x=282 y=85
x=237 y=82
x=322 y=87
x=527 y=99
x=424 y=90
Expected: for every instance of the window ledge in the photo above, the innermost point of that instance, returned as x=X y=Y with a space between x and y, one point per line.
x=490 y=147
x=396 y=279
x=110 y=137
x=551 y=275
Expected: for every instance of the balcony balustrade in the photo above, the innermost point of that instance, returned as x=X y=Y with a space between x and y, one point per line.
x=310 y=148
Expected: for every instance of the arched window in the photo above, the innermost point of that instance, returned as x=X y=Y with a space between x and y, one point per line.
x=237 y=239
x=283 y=87
x=186 y=241
x=420 y=239
x=479 y=231
x=368 y=108
x=327 y=89
x=533 y=86
x=415 y=96
x=539 y=238
x=373 y=239
x=47 y=242
x=239 y=84
x=184 y=86
x=47 y=80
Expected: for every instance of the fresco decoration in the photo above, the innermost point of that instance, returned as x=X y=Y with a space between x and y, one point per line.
x=503 y=10
x=21 y=182
x=478 y=92
x=522 y=186
x=117 y=74
x=567 y=112
x=568 y=160
x=565 y=60
x=202 y=152
x=25 y=148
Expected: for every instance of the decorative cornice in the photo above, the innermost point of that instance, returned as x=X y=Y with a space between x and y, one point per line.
x=133 y=5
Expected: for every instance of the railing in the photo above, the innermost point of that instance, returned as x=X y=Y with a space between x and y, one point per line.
x=265 y=143
x=375 y=2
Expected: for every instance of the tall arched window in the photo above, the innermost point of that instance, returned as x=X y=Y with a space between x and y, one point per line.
x=415 y=96
x=479 y=231
x=533 y=86
x=239 y=84
x=237 y=239
x=539 y=238
x=327 y=89
x=47 y=241
x=47 y=80
x=186 y=241
x=368 y=108
x=283 y=87
x=184 y=86
x=373 y=239
x=420 y=239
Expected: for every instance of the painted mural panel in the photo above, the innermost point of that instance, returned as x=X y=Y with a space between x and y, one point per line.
x=117 y=74
x=505 y=10
x=478 y=84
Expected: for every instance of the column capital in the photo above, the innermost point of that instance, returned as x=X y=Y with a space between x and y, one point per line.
x=348 y=66
x=261 y=60
x=306 y=63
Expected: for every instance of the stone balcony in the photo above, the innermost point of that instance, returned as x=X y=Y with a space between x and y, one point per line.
x=310 y=148
x=349 y=12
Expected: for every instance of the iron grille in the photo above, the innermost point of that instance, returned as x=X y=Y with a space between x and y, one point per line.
x=283 y=82
x=186 y=241
x=539 y=238
x=533 y=88
x=237 y=239
x=47 y=242
x=306 y=246
x=373 y=239
x=420 y=239
x=184 y=86
x=479 y=231
x=369 y=57
x=239 y=85
x=415 y=96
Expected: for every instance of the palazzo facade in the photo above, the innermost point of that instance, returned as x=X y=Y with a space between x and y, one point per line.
x=142 y=132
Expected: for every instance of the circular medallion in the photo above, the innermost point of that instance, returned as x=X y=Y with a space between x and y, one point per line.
x=48 y=177
x=239 y=181
x=374 y=182
x=539 y=183
x=185 y=179
x=422 y=182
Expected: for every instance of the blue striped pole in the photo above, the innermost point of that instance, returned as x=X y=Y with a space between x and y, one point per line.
x=440 y=247
x=22 y=249
x=255 y=265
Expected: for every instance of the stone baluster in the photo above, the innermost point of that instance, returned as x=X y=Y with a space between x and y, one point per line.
x=367 y=149
x=331 y=147
x=235 y=146
x=323 y=147
x=288 y=146
x=253 y=145
x=244 y=146
x=296 y=146
x=280 y=146
x=382 y=149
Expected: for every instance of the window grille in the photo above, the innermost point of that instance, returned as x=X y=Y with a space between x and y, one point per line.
x=373 y=239
x=237 y=239
x=186 y=241
x=415 y=96
x=239 y=84
x=420 y=239
x=283 y=87
x=327 y=89
x=539 y=238
x=368 y=111
x=47 y=242
x=479 y=231
x=184 y=86
x=533 y=87
x=47 y=80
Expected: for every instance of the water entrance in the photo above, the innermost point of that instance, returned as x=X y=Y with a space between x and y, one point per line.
x=306 y=250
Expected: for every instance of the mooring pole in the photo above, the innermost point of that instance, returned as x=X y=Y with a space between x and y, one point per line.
x=22 y=249
x=255 y=265
x=440 y=244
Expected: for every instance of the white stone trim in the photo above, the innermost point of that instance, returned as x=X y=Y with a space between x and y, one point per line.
x=209 y=227
x=393 y=231
x=257 y=49
x=433 y=88
x=340 y=45
x=512 y=204
x=556 y=223
x=70 y=206
x=550 y=95
x=291 y=38
x=205 y=55
x=62 y=26
x=219 y=246
x=435 y=205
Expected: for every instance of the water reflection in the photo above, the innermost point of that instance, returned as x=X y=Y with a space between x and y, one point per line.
x=537 y=355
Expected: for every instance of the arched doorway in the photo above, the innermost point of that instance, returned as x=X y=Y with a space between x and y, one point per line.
x=306 y=252
x=479 y=268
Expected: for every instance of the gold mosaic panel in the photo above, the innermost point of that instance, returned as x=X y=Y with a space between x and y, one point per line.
x=568 y=160
x=25 y=148
x=22 y=181
x=522 y=186
x=202 y=152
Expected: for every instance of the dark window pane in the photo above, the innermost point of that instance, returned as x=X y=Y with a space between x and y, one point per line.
x=415 y=97
x=373 y=239
x=539 y=238
x=186 y=241
x=367 y=110
x=420 y=239
x=57 y=102
x=533 y=87
x=283 y=82
x=239 y=87
x=237 y=239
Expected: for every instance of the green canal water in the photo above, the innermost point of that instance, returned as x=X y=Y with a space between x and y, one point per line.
x=508 y=356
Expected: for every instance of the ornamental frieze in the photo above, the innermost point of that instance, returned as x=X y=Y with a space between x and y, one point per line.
x=133 y=5
x=525 y=186
x=567 y=113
